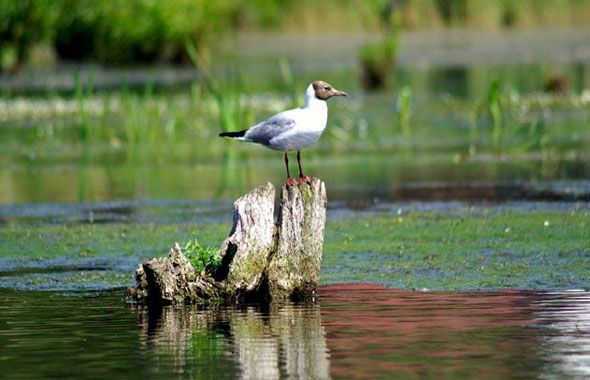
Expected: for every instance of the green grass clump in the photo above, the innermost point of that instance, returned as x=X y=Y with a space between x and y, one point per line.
x=378 y=61
x=512 y=130
x=202 y=257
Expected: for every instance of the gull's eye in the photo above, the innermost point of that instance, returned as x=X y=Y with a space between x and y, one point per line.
x=327 y=88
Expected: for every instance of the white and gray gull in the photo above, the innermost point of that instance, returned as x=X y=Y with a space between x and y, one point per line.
x=293 y=129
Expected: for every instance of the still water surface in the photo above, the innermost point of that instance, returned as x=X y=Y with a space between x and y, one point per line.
x=354 y=331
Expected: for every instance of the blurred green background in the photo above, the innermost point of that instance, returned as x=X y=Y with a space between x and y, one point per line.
x=140 y=31
x=450 y=99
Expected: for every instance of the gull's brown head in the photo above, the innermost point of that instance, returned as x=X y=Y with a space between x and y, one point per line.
x=325 y=91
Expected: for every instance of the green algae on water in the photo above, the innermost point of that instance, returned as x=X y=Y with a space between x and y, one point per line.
x=470 y=248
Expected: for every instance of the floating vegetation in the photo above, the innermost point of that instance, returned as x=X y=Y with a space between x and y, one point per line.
x=459 y=247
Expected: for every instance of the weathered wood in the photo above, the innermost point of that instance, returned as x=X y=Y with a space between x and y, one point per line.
x=294 y=269
x=170 y=280
x=261 y=260
x=246 y=251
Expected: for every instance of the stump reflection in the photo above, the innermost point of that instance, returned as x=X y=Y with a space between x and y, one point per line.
x=248 y=342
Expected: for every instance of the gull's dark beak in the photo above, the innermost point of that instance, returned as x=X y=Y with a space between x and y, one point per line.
x=338 y=93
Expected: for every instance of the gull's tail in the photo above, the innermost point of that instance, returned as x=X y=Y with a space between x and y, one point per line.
x=233 y=135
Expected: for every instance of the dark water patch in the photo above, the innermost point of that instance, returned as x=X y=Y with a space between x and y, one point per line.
x=340 y=210
x=68 y=274
x=64 y=78
x=121 y=211
x=26 y=271
x=502 y=191
x=414 y=196
x=468 y=191
x=354 y=331
x=68 y=263
x=68 y=281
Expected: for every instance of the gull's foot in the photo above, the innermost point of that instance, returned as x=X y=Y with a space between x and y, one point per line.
x=305 y=179
x=291 y=182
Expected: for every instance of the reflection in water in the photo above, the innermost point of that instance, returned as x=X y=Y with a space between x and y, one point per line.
x=374 y=332
x=257 y=344
x=357 y=331
x=567 y=339
x=366 y=331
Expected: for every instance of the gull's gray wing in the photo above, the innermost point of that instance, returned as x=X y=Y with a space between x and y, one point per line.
x=262 y=133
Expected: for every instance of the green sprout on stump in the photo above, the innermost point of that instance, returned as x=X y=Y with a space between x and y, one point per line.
x=201 y=257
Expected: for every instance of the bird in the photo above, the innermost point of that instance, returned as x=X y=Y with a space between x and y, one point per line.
x=293 y=129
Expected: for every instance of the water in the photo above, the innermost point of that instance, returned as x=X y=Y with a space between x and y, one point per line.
x=355 y=331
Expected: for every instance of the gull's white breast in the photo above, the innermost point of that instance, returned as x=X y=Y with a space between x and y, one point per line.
x=309 y=124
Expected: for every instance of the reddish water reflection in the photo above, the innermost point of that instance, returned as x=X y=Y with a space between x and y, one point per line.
x=374 y=332
x=355 y=331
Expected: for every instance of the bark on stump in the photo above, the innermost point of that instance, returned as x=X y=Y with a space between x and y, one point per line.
x=261 y=260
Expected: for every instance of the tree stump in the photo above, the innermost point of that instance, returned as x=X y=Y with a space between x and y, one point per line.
x=262 y=260
x=294 y=268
